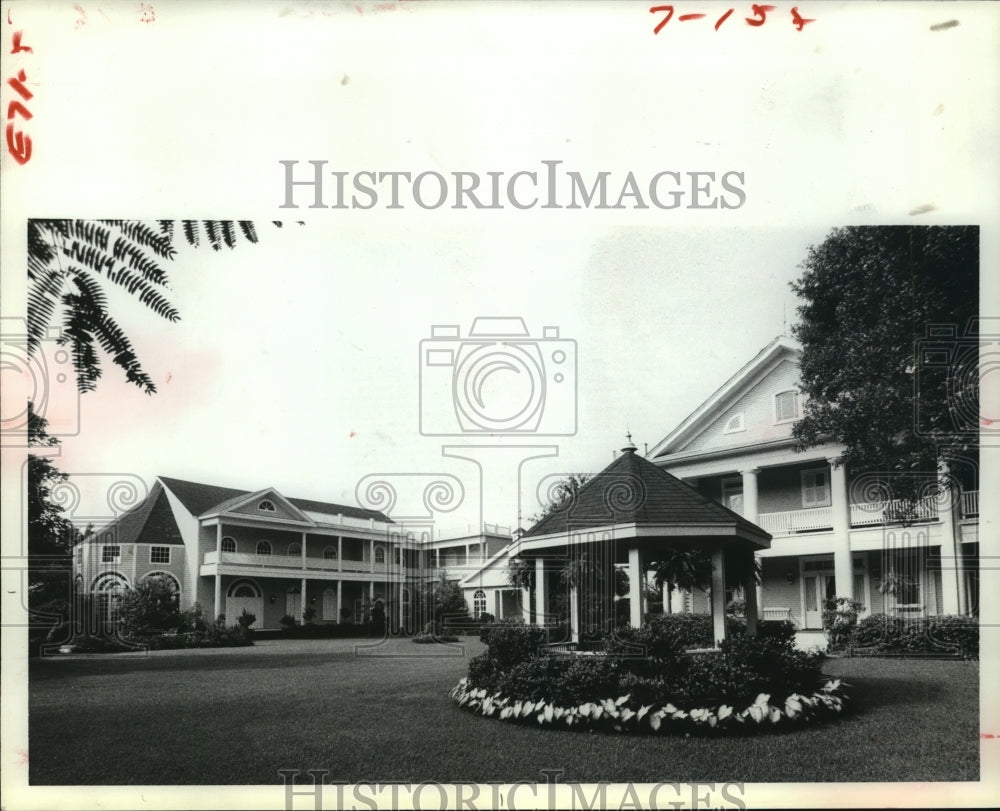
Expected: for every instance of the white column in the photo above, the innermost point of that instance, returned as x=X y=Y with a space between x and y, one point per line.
x=574 y=613
x=843 y=569
x=340 y=565
x=634 y=587
x=468 y=553
x=952 y=571
x=303 y=550
x=340 y=589
x=668 y=596
x=750 y=494
x=371 y=555
x=218 y=577
x=540 y=591
x=750 y=596
x=303 y=604
x=718 y=595
x=526 y=606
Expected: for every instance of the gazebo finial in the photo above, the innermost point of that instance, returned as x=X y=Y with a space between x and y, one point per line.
x=630 y=447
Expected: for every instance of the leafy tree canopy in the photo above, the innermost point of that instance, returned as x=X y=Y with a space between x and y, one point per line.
x=562 y=495
x=73 y=264
x=869 y=297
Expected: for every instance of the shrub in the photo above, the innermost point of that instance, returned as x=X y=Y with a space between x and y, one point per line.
x=840 y=616
x=287 y=622
x=150 y=607
x=246 y=619
x=947 y=634
x=511 y=642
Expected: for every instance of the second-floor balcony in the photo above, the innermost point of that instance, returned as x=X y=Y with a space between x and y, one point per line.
x=820 y=519
x=296 y=562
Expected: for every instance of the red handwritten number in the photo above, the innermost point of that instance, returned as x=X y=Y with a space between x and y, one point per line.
x=665 y=20
x=18 y=144
x=759 y=13
x=722 y=19
x=798 y=20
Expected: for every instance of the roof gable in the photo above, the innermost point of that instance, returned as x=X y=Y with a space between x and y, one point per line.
x=267 y=503
x=150 y=521
x=199 y=499
x=632 y=490
x=749 y=392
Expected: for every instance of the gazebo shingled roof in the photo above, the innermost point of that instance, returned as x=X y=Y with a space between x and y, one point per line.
x=632 y=490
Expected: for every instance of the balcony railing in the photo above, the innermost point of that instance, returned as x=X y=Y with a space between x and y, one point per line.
x=875 y=513
x=897 y=510
x=295 y=562
x=792 y=521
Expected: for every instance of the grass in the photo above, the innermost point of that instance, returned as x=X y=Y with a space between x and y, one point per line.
x=237 y=716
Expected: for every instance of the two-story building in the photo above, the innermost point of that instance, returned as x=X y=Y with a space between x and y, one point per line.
x=233 y=550
x=832 y=535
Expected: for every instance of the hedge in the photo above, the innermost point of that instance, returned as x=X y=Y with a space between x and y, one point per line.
x=942 y=635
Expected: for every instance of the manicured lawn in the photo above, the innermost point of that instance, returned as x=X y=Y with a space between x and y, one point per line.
x=237 y=716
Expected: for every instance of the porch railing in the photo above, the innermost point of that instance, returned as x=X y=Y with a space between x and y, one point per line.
x=878 y=512
x=791 y=521
x=970 y=504
x=295 y=562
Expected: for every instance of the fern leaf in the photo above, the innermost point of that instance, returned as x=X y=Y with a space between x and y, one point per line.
x=190 y=228
x=249 y=231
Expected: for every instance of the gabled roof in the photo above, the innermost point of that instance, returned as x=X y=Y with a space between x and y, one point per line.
x=741 y=382
x=199 y=499
x=150 y=521
x=632 y=490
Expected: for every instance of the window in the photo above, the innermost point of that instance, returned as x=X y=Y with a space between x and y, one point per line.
x=330 y=553
x=786 y=406
x=380 y=554
x=294 y=549
x=109 y=583
x=111 y=554
x=816 y=488
x=266 y=506
x=736 y=423
x=228 y=544
x=478 y=604
x=264 y=548
x=159 y=554
x=244 y=588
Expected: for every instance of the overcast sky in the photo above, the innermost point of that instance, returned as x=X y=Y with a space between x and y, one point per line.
x=297 y=361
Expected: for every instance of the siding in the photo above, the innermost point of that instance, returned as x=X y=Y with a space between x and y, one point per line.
x=777 y=591
x=757 y=406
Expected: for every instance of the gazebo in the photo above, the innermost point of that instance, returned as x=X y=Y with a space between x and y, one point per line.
x=634 y=511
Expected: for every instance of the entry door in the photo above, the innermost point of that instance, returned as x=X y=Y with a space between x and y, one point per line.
x=819 y=587
x=253 y=605
x=293 y=606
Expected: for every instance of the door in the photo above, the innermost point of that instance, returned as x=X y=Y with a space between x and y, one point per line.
x=253 y=605
x=818 y=587
x=293 y=606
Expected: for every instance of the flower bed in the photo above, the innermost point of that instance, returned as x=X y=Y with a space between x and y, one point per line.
x=624 y=714
x=647 y=681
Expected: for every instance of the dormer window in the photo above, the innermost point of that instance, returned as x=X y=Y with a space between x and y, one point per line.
x=786 y=406
x=736 y=423
x=266 y=506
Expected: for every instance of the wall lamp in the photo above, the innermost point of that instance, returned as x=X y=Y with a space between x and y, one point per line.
x=273 y=599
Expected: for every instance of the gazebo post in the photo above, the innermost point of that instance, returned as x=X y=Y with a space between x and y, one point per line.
x=540 y=604
x=574 y=612
x=635 y=585
x=750 y=594
x=718 y=594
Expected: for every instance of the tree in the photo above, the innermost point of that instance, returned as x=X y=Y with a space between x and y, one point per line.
x=443 y=599
x=682 y=567
x=73 y=264
x=562 y=495
x=50 y=534
x=151 y=607
x=870 y=296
